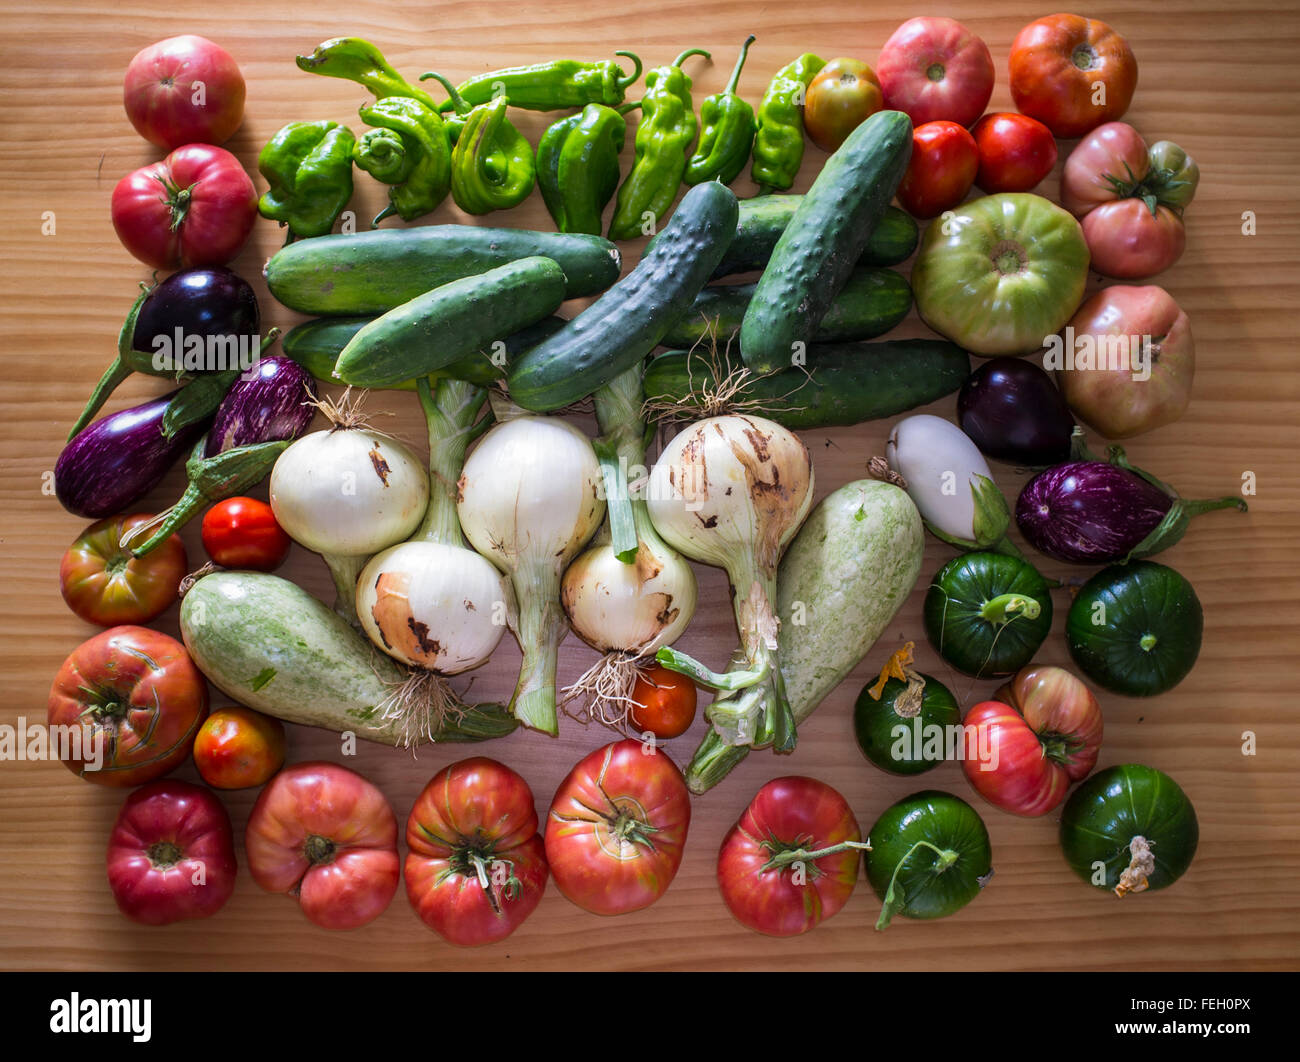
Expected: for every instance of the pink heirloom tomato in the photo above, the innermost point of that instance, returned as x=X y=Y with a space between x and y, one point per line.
x=935 y=69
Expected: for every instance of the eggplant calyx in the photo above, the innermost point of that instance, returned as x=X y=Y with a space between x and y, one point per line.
x=1176 y=520
x=1004 y=608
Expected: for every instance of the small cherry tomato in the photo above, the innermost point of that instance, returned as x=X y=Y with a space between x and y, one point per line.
x=237 y=747
x=243 y=533
x=839 y=99
x=105 y=584
x=664 y=702
x=941 y=171
x=1016 y=152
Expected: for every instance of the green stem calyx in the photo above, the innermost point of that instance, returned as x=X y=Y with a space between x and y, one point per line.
x=894 y=901
x=1006 y=607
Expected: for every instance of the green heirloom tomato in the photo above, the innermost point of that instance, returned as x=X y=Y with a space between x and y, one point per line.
x=999 y=275
x=897 y=732
x=1129 y=829
x=929 y=857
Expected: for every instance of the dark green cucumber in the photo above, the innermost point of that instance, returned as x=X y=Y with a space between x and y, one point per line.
x=451 y=322
x=871 y=303
x=823 y=241
x=316 y=346
x=369 y=273
x=841 y=383
x=628 y=321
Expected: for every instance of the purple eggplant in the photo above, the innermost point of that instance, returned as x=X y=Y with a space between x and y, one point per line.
x=272 y=402
x=1013 y=412
x=116 y=461
x=1102 y=512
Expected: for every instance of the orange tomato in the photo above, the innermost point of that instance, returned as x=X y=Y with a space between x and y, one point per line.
x=665 y=702
x=839 y=99
x=237 y=748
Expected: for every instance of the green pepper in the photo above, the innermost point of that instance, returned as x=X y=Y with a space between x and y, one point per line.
x=309 y=168
x=492 y=166
x=577 y=165
x=778 y=142
x=354 y=59
x=409 y=149
x=552 y=86
x=663 y=137
x=726 y=132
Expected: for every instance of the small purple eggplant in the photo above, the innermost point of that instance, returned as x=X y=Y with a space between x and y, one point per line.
x=1013 y=412
x=272 y=402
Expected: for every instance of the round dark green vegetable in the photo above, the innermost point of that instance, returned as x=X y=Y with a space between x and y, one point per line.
x=877 y=724
x=987 y=613
x=1109 y=810
x=1135 y=628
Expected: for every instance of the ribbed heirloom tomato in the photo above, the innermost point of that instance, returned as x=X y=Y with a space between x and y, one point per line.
x=184 y=90
x=935 y=69
x=104 y=583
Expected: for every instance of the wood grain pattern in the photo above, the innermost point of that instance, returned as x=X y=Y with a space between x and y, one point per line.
x=1221 y=83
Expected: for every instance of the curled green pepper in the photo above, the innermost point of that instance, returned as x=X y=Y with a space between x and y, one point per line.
x=778 y=143
x=552 y=86
x=577 y=165
x=663 y=138
x=408 y=149
x=309 y=168
x=354 y=59
x=726 y=132
x=492 y=166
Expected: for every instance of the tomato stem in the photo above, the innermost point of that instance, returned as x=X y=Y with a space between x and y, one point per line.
x=1006 y=607
x=318 y=850
x=163 y=854
x=799 y=854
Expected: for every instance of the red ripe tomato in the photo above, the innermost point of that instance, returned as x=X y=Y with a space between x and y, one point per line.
x=137 y=700
x=664 y=702
x=1072 y=73
x=243 y=533
x=237 y=748
x=476 y=865
x=1110 y=153
x=617 y=827
x=768 y=879
x=941 y=170
x=184 y=90
x=1128 y=240
x=1016 y=152
x=935 y=69
x=326 y=835
x=107 y=585
x=843 y=95
x=194 y=208
x=1042 y=731
x=171 y=855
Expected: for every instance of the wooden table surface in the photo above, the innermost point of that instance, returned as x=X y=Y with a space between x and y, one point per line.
x=1221 y=83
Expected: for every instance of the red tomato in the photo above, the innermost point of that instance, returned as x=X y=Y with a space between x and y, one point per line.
x=941 y=170
x=1016 y=152
x=935 y=69
x=1111 y=152
x=137 y=699
x=105 y=584
x=171 y=855
x=787 y=821
x=1072 y=73
x=184 y=90
x=1128 y=240
x=477 y=865
x=843 y=95
x=243 y=533
x=616 y=828
x=1042 y=731
x=237 y=748
x=328 y=836
x=664 y=702
x=194 y=208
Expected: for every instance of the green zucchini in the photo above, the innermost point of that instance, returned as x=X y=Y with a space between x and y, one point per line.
x=823 y=241
x=269 y=645
x=621 y=327
x=369 y=273
x=871 y=303
x=316 y=346
x=451 y=322
x=840 y=383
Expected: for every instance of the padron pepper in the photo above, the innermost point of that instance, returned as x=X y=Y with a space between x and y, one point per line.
x=354 y=59
x=410 y=150
x=577 y=165
x=309 y=168
x=727 y=127
x=778 y=142
x=553 y=86
x=663 y=138
x=492 y=165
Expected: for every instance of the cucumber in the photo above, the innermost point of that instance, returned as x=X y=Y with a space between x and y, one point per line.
x=840 y=383
x=316 y=346
x=848 y=571
x=621 y=327
x=368 y=273
x=871 y=303
x=269 y=645
x=823 y=241
x=451 y=322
